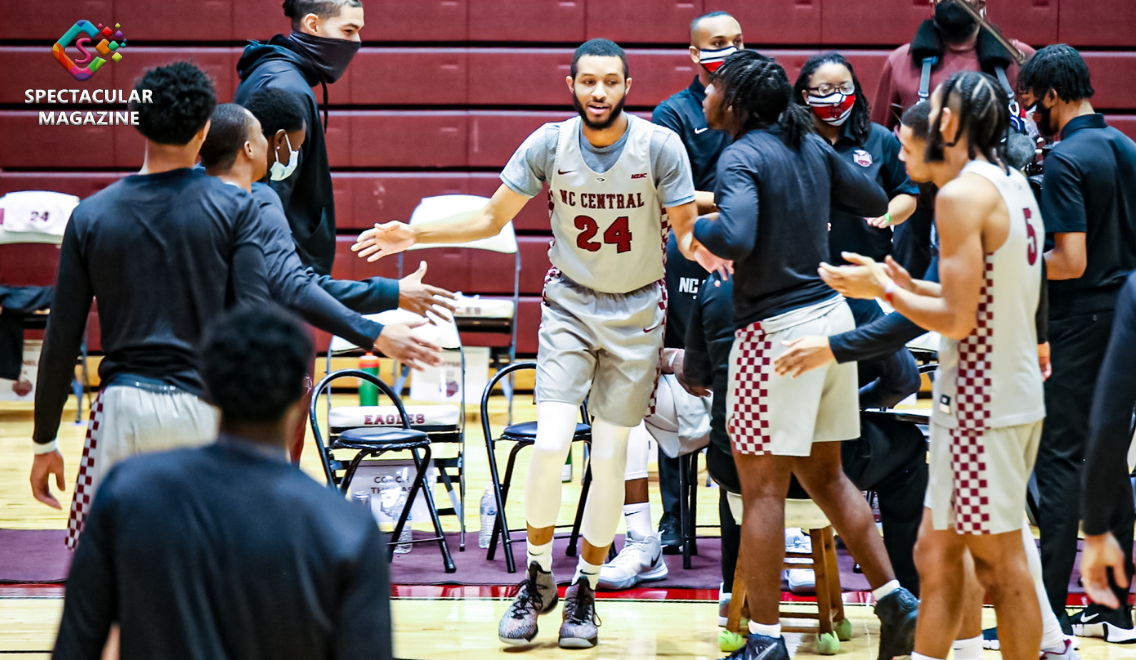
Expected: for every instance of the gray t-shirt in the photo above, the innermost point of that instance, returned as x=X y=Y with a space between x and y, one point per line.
x=527 y=170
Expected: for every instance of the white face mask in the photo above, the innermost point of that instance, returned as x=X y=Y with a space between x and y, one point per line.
x=280 y=171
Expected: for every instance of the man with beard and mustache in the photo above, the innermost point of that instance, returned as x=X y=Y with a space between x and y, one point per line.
x=949 y=42
x=611 y=177
x=1088 y=199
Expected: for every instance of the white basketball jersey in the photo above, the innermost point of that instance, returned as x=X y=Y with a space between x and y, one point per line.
x=991 y=379
x=608 y=232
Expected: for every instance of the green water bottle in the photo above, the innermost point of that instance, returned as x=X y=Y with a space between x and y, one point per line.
x=368 y=392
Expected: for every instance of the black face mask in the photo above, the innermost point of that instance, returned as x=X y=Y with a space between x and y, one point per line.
x=598 y=126
x=330 y=56
x=954 y=21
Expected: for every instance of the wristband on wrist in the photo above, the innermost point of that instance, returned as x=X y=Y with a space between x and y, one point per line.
x=889 y=292
x=887 y=218
x=43 y=448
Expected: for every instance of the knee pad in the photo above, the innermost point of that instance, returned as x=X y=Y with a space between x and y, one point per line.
x=605 y=497
x=556 y=425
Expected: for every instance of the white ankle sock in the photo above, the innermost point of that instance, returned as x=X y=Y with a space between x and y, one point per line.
x=968 y=649
x=590 y=572
x=541 y=554
x=765 y=630
x=638 y=517
x=885 y=590
x=920 y=656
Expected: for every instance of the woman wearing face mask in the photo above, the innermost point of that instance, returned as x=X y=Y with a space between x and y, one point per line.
x=829 y=88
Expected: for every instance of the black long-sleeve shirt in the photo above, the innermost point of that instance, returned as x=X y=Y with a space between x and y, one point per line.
x=1105 y=487
x=226 y=552
x=775 y=206
x=298 y=287
x=887 y=333
x=307 y=194
x=165 y=254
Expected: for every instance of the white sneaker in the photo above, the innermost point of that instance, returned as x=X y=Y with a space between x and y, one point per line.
x=801 y=580
x=640 y=560
x=1067 y=652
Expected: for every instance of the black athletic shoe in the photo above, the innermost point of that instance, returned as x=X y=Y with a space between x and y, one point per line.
x=760 y=647
x=1114 y=626
x=669 y=535
x=897 y=612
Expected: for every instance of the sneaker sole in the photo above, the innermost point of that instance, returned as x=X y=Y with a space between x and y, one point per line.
x=653 y=575
x=1110 y=633
x=578 y=642
x=516 y=642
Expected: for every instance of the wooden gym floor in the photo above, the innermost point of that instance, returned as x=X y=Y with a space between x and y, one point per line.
x=443 y=628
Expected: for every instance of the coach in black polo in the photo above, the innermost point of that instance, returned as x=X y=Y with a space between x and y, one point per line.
x=713 y=38
x=1088 y=202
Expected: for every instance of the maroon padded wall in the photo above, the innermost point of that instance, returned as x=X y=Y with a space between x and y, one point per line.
x=443 y=91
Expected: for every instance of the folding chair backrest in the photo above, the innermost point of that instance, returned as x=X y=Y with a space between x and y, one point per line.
x=442 y=332
x=31 y=229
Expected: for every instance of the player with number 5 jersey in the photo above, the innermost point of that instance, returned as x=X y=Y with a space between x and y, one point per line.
x=614 y=182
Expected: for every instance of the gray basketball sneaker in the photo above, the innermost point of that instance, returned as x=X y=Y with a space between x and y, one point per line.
x=536 y=596
x=580 y=627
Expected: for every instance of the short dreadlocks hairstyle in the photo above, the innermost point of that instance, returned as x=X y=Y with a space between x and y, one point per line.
x=1060 y=68
x=860 y=121
x=983 y=111
x=758 y=90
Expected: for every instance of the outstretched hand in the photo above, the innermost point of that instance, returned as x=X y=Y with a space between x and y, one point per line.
x=398 y=341
x=417 y=297
x=384 y=240
x=865 y=279
x=804 y=355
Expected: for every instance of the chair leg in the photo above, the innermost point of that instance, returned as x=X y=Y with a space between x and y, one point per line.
x=692 y=484
x=423 y=466
x=585 y=486
x=834 y=588
x=502 y=524
x=738 y=596
x=823 y=594
x=684 y=509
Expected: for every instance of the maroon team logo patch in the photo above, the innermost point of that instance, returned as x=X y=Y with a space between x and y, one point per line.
x=862 y=158
x=641 y=175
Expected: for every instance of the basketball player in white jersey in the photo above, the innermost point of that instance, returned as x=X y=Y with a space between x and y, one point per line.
x=988 y=403
x=610 y=176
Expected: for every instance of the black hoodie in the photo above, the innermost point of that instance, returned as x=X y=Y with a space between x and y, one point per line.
x=307 y=194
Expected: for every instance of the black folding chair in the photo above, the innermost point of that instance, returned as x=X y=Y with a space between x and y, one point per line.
x=373 y=442
x=524 y=435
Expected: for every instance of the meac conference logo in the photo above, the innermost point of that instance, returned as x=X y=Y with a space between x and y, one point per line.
x=81 y=33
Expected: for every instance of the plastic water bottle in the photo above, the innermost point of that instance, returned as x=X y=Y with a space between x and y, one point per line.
x=488 y=517
x=407 y=534
x=368 y=392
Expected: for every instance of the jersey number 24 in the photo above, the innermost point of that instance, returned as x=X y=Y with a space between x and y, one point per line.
x=618 y=234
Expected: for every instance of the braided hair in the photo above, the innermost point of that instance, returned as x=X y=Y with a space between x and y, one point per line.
x=758 y=90
x=860 y=121
x=1060 y=68
x=982 y=108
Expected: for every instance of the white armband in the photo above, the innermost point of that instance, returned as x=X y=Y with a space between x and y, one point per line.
x=44 y=448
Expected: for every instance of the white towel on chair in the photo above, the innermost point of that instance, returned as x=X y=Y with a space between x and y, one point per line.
x=37 y=211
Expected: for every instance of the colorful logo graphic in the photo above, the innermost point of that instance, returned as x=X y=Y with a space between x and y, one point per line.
x=82 y=33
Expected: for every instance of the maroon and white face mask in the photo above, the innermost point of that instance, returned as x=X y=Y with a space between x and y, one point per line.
x=712 y=59
x=833 y=109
